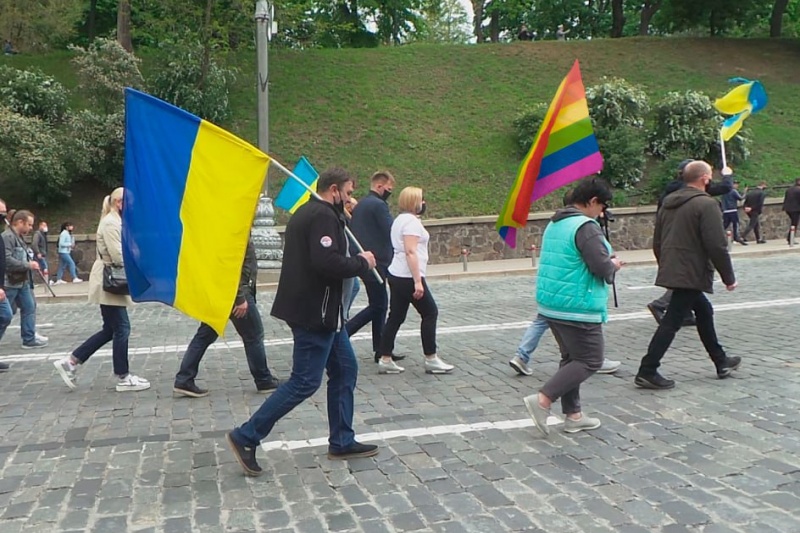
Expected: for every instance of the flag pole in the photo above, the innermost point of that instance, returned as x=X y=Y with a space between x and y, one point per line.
x=313 y=193
x=722 y=149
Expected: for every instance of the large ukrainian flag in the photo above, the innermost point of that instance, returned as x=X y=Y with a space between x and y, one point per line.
x=191 y=191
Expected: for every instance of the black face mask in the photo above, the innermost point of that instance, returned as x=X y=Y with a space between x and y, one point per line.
x=386 y=194
x=422 y=209
x=2 y=218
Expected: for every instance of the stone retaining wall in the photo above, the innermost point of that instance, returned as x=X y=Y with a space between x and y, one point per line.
x=632 y=229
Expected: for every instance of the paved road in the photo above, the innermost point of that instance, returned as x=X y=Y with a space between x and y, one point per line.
x=458 y=452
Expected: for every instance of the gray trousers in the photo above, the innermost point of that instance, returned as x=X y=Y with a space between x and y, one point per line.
x=582 y=353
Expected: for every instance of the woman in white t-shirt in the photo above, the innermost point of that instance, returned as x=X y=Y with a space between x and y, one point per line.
x=408 y=287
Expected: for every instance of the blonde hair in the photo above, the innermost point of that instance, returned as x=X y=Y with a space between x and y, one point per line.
x=116 y=194
x=410 y=200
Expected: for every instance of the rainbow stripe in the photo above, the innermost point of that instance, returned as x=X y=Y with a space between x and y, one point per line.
x=565 y=150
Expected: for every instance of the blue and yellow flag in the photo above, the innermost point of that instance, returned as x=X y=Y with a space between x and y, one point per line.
x=740 y=102
x=293 y=195
x=191 y=191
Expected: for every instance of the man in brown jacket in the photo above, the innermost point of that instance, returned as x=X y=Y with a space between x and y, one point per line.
x=689 y=243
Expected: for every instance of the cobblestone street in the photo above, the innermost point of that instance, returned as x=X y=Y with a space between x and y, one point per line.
x=458 y=452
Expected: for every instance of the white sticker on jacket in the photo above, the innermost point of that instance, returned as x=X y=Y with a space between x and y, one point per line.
x=326 y=241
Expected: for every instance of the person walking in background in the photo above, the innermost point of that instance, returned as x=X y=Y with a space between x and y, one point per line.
x=791 y=206
x=372 y=226
x=6 y=314
x=18 y=280
x=754 y=206
x=561 y=33
x=113 y=307
x=730 y=212
x=310 y=300
x=66 y=243
x=575 y=268
x=39 y=246
x=247 y=321
x=408 y=286
x=688 y=238
x=524 y=34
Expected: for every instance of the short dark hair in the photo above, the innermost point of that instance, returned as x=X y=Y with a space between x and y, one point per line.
x=65 y=225
x=591 y=188
x=332 y=176
x=567 y=198
x=682 y=166
x=22 y=214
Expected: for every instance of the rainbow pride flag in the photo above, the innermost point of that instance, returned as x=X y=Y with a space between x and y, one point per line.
x=565 y=150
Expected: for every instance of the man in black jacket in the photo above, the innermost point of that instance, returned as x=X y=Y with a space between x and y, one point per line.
x=309 y=299
x=5 y=307
x=689 y=240
x=247 y=321
x=754 y=206
x=791 y=206
x=659 y=306
x=372 y=226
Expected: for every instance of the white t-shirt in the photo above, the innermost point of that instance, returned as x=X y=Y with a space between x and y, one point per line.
x=408 y=224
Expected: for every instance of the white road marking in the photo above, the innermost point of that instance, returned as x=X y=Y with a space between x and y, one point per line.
x=475 y=328
x=38 y=326
x=454 y=429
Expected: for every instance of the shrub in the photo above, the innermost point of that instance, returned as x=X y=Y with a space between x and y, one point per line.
x=623 y=149
x=185 y=82
x=615 y=102
x=687 y=125
x=33 y=94
x=95 y=150
x=527 y=125
x=104 y=70
x=31 y=154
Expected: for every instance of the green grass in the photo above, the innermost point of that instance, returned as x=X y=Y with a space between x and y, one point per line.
x=441 y=116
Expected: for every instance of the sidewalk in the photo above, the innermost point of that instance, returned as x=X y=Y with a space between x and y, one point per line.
x=449 y=271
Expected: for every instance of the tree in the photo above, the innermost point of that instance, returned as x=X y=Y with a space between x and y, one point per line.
x=39 y=25
x=124 y=25
x=445 y=21
x=617 y=18
x=649 y=8
x=477 y=19
x=776 y=20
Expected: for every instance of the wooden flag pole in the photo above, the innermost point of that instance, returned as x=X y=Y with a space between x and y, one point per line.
x=313 y=193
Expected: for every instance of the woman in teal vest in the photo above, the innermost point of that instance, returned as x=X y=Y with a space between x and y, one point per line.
x=575 y=269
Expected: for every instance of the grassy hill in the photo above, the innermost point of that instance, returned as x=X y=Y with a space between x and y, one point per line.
x=441 y=116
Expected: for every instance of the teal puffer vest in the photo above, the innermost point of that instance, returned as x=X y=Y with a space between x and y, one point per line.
x=565 y=288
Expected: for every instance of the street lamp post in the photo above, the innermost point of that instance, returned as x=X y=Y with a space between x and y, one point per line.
x=266 y=239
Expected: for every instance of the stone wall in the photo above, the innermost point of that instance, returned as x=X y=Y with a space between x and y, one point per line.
x=632 y=229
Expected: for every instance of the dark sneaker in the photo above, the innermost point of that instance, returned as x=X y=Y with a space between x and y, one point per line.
x=246 y=457
x=728 y=366
x=268 y=386
x=742 y=242
x=656 y=381
x=4 y=367
x=189 y=389
x=353 y=451
x=762 y=241
x=657 y=313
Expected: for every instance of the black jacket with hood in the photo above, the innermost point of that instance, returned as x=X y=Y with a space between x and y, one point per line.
x=315 y=262
x=689 y=242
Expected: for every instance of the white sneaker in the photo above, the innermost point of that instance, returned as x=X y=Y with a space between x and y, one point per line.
x=77 y=280
x=67 y=371
x=40 y=338
x=389 y=368
x=131 y=383
x=437 y=366
x=609 y=366
x=520 y=366
x=60 y=282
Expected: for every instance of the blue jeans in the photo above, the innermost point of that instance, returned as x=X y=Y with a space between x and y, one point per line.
x=314 y=352
x=249 y=328
x=531 y=337
x=6 y=314
x=375 y=311
x=65 y=260
x=22 y=298
x=348 y=302
x=116 y=328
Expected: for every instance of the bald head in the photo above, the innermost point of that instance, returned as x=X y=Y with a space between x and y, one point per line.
x=697 y=173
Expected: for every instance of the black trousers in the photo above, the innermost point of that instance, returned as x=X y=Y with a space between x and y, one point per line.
x=402 y=295
x=682 y=302
x=794 y=219
x=753 y=225
x=732 y=219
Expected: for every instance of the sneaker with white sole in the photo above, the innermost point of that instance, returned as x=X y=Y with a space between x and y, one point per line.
x=37 y=343
x=41 y=338
x=609 y=366
x=584 y=423
x=68 y=371
x=538 y=413
x=77 y=280
x=131 y=383
x=389 y=368
x=437 y=366
x=520 y=366
x=60 y=282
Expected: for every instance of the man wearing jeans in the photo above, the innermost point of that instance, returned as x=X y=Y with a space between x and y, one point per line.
x=310 y=300
x=5 y=308
x=17 y=281
x=247 y=321
x=688 y=240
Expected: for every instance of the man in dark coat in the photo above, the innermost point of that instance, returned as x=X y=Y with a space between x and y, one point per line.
x=6 y=314
x=689 y=243
x=791 y=206
x=753 y=207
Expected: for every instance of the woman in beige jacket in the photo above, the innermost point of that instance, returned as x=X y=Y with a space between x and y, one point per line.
x=113 y=307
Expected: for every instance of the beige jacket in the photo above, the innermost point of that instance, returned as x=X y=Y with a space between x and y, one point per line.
x=109 y=247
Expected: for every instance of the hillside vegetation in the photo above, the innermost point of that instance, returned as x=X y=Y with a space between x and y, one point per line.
x=441 y=116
